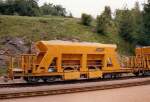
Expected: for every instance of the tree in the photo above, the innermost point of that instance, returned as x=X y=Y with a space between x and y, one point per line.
x=137 y=24
x=125 y=25
x=107 y=12
x=101 y=24
x=30 y=8
x=146 y=23
x=86 y=19
x=22 y=7
x=27 y=7
x=59 y=10
x=47 y=9
x=7 y=7
x=104 y=21
x=56 y=10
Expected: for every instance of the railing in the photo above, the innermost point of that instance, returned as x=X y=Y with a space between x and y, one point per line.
x=136 y=62
x=21 y=63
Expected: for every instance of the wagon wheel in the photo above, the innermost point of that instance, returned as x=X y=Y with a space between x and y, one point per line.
x=49 y=79
x=136 y=73
x=31 y=79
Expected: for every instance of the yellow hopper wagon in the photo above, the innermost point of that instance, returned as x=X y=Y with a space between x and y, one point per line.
x=140 y=63
x=64 y=60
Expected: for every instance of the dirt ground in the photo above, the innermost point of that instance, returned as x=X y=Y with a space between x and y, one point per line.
x=131 y=94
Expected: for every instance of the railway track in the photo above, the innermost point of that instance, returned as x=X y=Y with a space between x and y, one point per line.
x=17 y=85
x=70 y=90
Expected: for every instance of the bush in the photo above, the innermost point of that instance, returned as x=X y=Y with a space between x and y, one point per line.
x=86 y=19
x=101 y=24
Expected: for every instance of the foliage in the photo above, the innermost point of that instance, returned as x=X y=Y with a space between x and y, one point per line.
x=146 y=25
x=3 y=71
x=124 y=21
x=100 y=24
x=86 y=19
x=27 y=8
x=30 y=8
x=133 y=24
x=20 y=7
x=104 y=21
x=50 y=9
x=107 y=13
x=137 y=24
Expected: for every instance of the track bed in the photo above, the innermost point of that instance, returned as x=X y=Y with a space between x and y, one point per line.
x=70 y=88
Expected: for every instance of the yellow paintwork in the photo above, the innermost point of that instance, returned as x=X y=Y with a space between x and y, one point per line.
x=95 y=74
x=73 y=60
x=71 y=75
x=141 y=61
x=77 y=56
x=142 y=58
x=57 y=48
x=141 y=51
x=64 y=50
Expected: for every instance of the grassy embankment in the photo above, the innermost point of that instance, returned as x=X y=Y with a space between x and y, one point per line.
x=48 y=28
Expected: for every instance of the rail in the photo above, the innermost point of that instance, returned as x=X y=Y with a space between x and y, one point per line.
x=71 y=90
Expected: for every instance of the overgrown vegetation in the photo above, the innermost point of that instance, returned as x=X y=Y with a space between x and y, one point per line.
x=146 y=24
x=124 y=21
x=52 y=27
x=30 y=8
x=3 y=71
x=133 y=26
x=86 y=19
x=101 y=25
x=50 y=9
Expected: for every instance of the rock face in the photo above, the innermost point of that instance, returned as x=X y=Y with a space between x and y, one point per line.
x=14 y=45
x=11 y=46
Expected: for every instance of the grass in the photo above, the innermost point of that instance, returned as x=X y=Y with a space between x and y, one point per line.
x=3 y=71
x=48 y=28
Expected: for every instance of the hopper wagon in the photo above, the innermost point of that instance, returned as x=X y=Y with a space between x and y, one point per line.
x=64 y=60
